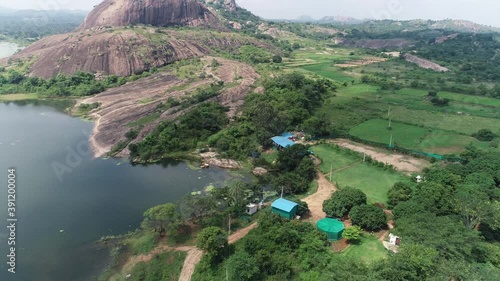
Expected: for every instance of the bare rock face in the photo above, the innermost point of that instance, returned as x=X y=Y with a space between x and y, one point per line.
x=121 y=51
x=230 y=5
x=154 y=12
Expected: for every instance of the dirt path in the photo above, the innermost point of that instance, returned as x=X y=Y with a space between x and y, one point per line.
x=315 y=201
x=193 y=257
x=403 y=163
x=233 y=238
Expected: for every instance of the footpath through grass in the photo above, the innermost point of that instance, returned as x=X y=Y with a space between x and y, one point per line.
x=165 y=266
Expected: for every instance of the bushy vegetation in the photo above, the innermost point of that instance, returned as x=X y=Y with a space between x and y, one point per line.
x=184 y=135
x=341 y=202
x=79 y=84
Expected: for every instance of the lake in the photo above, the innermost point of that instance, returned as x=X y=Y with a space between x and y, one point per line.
x=60 y=186
x=7 y=49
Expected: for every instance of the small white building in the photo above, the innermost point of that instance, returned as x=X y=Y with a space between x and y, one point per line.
x=394 y=240
x=419 y=179
x=252 y=209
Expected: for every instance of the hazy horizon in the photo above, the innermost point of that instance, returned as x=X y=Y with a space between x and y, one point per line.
x=479 y=11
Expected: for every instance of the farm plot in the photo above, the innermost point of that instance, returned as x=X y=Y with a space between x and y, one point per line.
x=412 y=137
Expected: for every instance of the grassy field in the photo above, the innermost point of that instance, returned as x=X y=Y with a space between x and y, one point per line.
x=454 y=96
x=464 y=124
x=373 y=181
x=145 y=120
x=16 y=97
x=413 y=137
x=332 y=159
x=327 y=70
x=369 y=249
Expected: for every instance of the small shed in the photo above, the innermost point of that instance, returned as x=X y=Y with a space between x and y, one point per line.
x=285 y=208
x=252 y=209
x=332 y=227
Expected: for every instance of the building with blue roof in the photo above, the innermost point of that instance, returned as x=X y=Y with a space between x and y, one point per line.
x=282 y=142
x=285 y=208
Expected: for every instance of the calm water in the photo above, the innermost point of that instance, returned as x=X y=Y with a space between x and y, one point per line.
x=7 y=49
x=61 y=187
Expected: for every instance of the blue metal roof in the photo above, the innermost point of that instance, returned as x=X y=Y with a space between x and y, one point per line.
x=287 y=135
x=284 y=205
x=283 y=142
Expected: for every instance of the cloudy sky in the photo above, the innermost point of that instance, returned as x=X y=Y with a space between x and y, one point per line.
x=481 y=11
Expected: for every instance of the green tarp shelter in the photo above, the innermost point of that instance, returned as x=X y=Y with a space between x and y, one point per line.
x=332 y=227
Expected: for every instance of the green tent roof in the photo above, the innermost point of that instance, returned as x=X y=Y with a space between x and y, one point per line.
x=330 y=225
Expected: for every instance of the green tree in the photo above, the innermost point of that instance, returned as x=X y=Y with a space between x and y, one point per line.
x=342 y=201
x=368 y=216
x=213 y=241
x=473 y=205
x=352 y=233
x=413 y=263
x=161 y=216
x=277 y=59
x=400 y=192
x=485 y=135
x=242 y=267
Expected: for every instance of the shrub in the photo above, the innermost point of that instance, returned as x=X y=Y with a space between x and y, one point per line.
x=341 y=202
x=368 y=216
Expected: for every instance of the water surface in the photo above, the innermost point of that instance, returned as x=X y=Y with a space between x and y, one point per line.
x=60 y=186
x=7 y=49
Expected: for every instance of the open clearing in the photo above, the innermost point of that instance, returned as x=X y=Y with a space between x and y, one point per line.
x=412 y=137
x=16 y=97
x=373 y=181
x=369 y=249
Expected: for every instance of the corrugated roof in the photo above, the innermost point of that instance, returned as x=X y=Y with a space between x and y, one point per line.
x=284 y=205
x=283 y=142
x=287 y=135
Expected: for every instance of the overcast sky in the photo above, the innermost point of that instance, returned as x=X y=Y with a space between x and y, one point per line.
x=480 y=11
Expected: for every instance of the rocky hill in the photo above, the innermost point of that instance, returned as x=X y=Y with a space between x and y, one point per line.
x=114 y=38
x=124 y=51
x=153 y=12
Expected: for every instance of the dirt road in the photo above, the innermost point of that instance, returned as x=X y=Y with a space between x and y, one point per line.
x=403 y=163
x=315 y=201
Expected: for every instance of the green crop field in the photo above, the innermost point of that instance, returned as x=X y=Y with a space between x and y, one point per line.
x=369 y=249
x=464 y=124
x=454 y=96
x=332 y=159
x=413 y=137
x=329 y=71
x=402 y=134
x=373 y=181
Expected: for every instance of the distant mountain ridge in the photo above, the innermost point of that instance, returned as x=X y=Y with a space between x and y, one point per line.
x=409 y=25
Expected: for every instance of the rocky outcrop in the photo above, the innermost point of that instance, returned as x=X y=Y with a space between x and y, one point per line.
x=153 y=12
x=423 y=63
x=122 y=51
x=230 y=5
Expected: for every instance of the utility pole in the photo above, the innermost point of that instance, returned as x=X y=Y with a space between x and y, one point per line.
x=364 y=157
x=389 y=115
x=390 y=143
x=331 y=171
x=282 y=188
